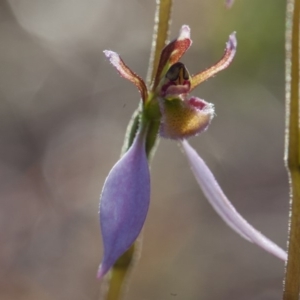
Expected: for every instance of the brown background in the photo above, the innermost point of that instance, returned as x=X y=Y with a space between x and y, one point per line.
x=64 y=111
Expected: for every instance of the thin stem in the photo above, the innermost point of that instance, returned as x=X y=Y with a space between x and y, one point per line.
x=160 y=36
x=118 y=275
x=292 y=150
x=161 y=28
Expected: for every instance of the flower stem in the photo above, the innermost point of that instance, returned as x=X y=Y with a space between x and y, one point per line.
x=292 y=150
x=161 y=29
x=160 y=36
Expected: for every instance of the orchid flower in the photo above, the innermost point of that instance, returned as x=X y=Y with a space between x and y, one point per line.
x=126 y=193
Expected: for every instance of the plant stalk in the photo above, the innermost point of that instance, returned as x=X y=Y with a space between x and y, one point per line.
x=118 y=274
x=292 y=150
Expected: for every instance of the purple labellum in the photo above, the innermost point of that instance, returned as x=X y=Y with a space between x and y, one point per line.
x=124 y=203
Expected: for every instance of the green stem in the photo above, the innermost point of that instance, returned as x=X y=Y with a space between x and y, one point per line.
x=160 y=36
x=161 y=29
x=292 y=151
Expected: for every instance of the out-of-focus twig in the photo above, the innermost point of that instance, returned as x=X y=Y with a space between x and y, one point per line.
x=292 y=149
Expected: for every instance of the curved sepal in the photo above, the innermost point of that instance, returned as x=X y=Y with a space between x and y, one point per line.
x=124 y=203
x=222 y=64
x=127 y=73
x=172 y=53
x=223 y=206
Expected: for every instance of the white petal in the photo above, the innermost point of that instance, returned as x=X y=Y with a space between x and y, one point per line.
x=184 y=33
x=223 y=206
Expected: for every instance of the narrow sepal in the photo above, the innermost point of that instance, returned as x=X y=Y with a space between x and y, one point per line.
x=172 y=53
x=124 y=203
x=222 y=64
x=127 y=73
x=223 y=206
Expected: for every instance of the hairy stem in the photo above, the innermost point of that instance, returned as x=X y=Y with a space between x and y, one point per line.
x=160 y=36
x=292 y=150
x=161 y=29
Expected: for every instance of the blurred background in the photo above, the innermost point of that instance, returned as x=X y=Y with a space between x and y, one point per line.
x=64 y=111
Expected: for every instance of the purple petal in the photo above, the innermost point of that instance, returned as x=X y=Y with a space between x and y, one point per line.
x=222 y=205
x=124 y=203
